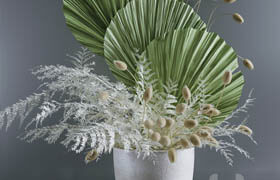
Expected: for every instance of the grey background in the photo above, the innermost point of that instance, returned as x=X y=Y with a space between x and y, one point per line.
x=33 y=32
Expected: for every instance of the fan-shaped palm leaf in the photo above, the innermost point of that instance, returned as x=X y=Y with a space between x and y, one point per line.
x=140 y=22
x=188 y=56
x=88 y=20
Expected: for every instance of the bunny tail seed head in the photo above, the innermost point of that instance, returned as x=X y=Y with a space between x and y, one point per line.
x=190 y=124
x=208 y=129
x=169 y=123
x=195 y=140
x=172 y=155
x=213 y=112
x=120 y=65
x=203 y=134
x=213 y=141
x=148 y=94
x=91 y=156
x=206 y=107
x=230 y=1
x=161 y=122
x=180 y=108
x=227 y=77
x=185 y=143
x=165 y=141
x=148 y=124
x=186 y=93
x=155 y=136
x=245 y=129
x=238 y=18
x=248 y=64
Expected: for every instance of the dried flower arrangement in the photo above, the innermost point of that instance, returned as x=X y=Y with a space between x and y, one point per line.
x=177 y=88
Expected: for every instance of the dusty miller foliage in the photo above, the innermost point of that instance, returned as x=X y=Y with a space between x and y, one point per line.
x=99 y=114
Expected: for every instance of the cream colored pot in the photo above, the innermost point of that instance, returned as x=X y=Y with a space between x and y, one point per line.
x=128 y=167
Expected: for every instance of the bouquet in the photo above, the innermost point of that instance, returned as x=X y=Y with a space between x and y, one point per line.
x=177 y=85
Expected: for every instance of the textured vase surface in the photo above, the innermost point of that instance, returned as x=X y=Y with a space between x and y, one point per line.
x=128 y=167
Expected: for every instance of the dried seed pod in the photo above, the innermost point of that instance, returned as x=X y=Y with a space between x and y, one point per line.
x=213 y=112
x=190 y=123
x=238 y=18
x=180 y=108
x=103 y=96
x=91 y=156
x=161 y=122
x=227 y=77
x=203 y=134
x=149 y=124
x=185 y=143
x=245 y=129
x=186 y=93
x=195 y=140
x=120 y=65
x=213 y=141
x=248 y=63
x=229 y=1
x=169 y=123
x=165 y=141
x=206 y=107
x=148 y=94
x=155 y=136
x=208 y=129
x=172 y=155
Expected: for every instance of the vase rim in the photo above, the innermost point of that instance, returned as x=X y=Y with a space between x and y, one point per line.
x=155 y=151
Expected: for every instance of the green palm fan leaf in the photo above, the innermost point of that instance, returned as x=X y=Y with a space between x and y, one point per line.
x=88 y=20
x=188 y=56
x=140 y=22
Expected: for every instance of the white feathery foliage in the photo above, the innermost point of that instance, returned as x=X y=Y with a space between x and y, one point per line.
x=85 y=111
x=244 y=108
x=88 y=121
x=225 y=129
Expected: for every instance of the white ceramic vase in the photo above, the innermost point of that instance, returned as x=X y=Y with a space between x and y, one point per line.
x=128 y=167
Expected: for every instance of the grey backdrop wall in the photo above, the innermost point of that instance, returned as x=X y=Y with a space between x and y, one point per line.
x=33 y=32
